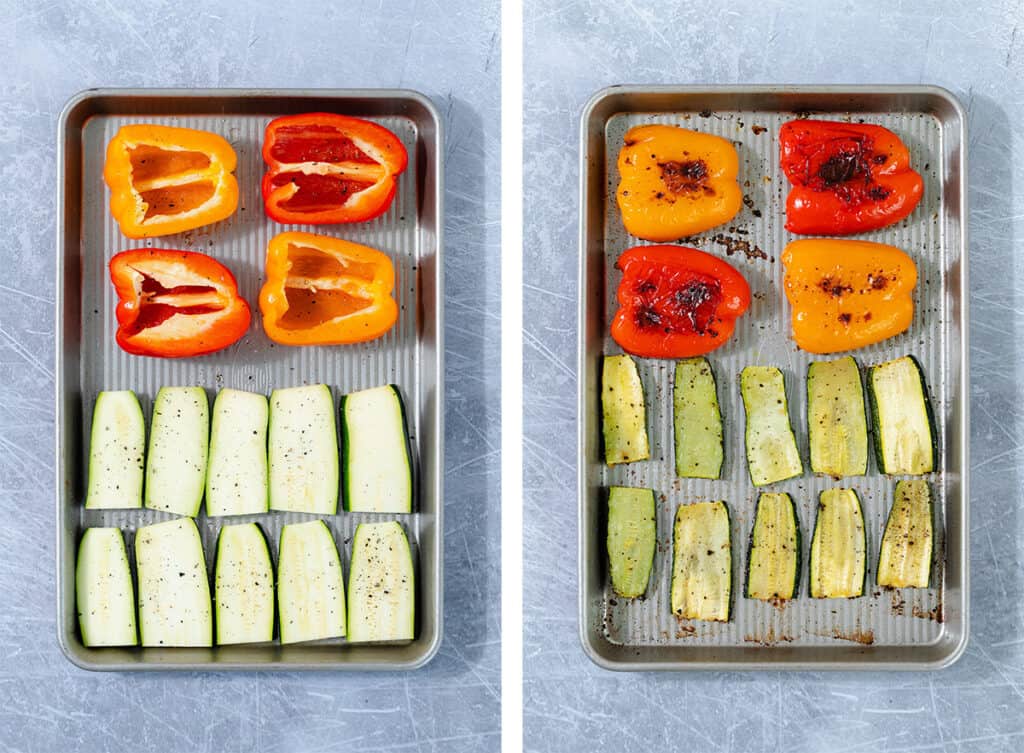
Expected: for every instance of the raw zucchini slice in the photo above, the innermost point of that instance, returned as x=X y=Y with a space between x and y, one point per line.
x=243 y=586
x=381 y=585
x=375 y=451
x=771 y=446
x=104 y=591
x=905 y=557
x=837 y=426
x=174 y=589
x=838 y=561
x=310 y=589
x=179 y=439
x=625 y=416
x=632 y=538
x=236 y=483
x=697 y=420
x=303 y=450
x=903 y=421
x=773 y=560
x=117 y=449
x=702 y=562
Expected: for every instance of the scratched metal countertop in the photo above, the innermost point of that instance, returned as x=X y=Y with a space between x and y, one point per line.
x=54 y=50
x=574 y=49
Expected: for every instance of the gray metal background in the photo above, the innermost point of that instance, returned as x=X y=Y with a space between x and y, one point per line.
x=90 y=360
x=854 y=633
x=976 y=51
x=55 y=50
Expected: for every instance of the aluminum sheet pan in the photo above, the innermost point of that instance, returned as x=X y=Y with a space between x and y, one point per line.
x=899 y=629
x=89 y=360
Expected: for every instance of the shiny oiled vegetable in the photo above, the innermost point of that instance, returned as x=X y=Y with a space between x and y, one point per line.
x=676 y=302
x=847 y=177
x=847 y=294
x=675 y=182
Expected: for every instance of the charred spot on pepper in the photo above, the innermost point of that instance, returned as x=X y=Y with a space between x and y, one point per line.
x=834 y=288
x=687 y=176
x=647 y=317
x=696 y=302
x=878 y=282
x=845 y=318
x=646 y=286
x=840 y=168
x=878 y=193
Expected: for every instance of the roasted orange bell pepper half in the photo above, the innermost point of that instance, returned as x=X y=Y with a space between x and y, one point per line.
x=166 y=180
x=173 y=304
x=326 y=291
x=675 y=183
x=676 y=302
x=325 y=168
x=847 y=177
x=847 y=294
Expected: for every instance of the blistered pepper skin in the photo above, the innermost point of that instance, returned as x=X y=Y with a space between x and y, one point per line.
x=846 y=177
x=847 y=294
x=675 y=183
x=676 y=302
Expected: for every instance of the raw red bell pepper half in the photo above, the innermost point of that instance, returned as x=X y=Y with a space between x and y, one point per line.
x=676 y=302
x=325 y=168
x=173 y=304
x=847 y=177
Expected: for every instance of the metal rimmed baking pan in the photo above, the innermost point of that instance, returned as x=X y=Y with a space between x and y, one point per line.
x=902 y=629
x=89 y=360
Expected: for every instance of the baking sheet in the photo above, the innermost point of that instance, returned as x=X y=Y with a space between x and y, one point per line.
x=410 y=355
x=905 y=628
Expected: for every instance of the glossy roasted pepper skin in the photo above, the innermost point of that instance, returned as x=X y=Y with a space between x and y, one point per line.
x=324 y=168
x=847 y=294
x=676 y=302
x=175 y=304
x=326 y=291
x=674 y=182
x=166 y=180
x=847 y=177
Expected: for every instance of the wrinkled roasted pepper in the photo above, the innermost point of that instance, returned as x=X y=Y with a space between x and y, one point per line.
x=325 y=169
x=674 y=183
x=326 y=291
x=173 y=304
x=847 y=294
x=167 y=180
x=847 y=177
x=676 y=302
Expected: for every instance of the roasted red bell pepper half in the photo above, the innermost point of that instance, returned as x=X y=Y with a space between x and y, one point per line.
x=676 y=302
x=326 y=169
x=847 y=177
x=173 y=304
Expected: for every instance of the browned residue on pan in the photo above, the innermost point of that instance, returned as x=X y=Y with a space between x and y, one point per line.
x=866 y=637
x=686 y=631
x=935 y=613
x=898 y=603
x=769 y=638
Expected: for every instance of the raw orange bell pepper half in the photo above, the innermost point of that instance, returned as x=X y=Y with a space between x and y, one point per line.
x=166 y=180
x=674 y=183
x=324 y=168
x=326 y=291
x=847 y=294
x=173 y=304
